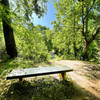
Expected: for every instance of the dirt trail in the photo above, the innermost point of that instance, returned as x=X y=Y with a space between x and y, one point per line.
x=81 y=70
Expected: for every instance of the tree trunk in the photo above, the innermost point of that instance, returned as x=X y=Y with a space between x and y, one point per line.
x=75 y=49
x=8 y=31
x=85 y=32
x=85 y=53
x=74 y=37
x=87 y=44
x=68 y=50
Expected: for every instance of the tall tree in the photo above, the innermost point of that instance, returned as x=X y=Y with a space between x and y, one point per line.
x=22 y=9
x=88 y=13
x=78 y=18
x=8 y=30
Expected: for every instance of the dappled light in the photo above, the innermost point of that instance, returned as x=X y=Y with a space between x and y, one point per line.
x=43 y=37
x=42 y=89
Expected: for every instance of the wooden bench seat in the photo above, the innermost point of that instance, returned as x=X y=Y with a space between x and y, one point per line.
x=30 y=72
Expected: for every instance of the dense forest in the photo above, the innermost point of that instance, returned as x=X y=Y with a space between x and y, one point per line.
x=75 y=33
x=70 y=49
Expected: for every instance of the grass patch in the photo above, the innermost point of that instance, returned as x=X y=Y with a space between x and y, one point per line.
x=42 y=89
x=7 y=65
x=46 y=88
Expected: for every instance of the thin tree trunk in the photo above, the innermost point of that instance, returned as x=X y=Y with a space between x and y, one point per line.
x=68 y=50
x=85 y=49
x=8 y=31
x=74 y=41
x=87 y=44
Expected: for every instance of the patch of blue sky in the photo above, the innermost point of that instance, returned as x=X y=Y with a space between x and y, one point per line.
x=47 y=18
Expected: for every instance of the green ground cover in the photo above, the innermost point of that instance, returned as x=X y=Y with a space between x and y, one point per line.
x=38 y=88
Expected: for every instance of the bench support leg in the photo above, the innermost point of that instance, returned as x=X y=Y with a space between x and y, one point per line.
x=63 y=74
x=20 y=79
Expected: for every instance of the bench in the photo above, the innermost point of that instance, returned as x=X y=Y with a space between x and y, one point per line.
x=30 y=72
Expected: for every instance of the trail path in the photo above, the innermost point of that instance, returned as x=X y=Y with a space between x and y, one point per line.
x=81 y=71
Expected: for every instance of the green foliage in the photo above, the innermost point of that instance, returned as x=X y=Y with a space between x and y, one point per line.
x=65 y=39
x=43 y=89
x=2 y=47
x=31 y=44
x=92 y=50
x=29 y=41
x=68 y=39
x=7 y=65
x=25 y=8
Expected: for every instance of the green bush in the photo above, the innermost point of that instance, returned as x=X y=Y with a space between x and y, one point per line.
x=30 y=44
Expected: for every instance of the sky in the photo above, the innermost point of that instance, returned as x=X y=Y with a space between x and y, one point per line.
x=47 y=18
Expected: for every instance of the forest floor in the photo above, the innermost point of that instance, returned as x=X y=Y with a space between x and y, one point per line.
x=85 y=74
x=83 y=83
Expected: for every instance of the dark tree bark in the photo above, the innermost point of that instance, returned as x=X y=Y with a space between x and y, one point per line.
x=68 y=50
x=74 y=39
x=8 y=30
x=88 y=43
x=85 y=32
x=85 y=19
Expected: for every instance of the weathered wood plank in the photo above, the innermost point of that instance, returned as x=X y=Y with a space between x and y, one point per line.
x=30 y=72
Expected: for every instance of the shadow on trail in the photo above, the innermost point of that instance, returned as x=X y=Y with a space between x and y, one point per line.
x=45 y=89
x=93 y=71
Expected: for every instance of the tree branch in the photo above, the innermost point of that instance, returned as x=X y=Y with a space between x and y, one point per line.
x=95 y=34
x=90 y=8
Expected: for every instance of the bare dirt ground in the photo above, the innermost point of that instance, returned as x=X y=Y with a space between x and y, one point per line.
x=85 y=74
